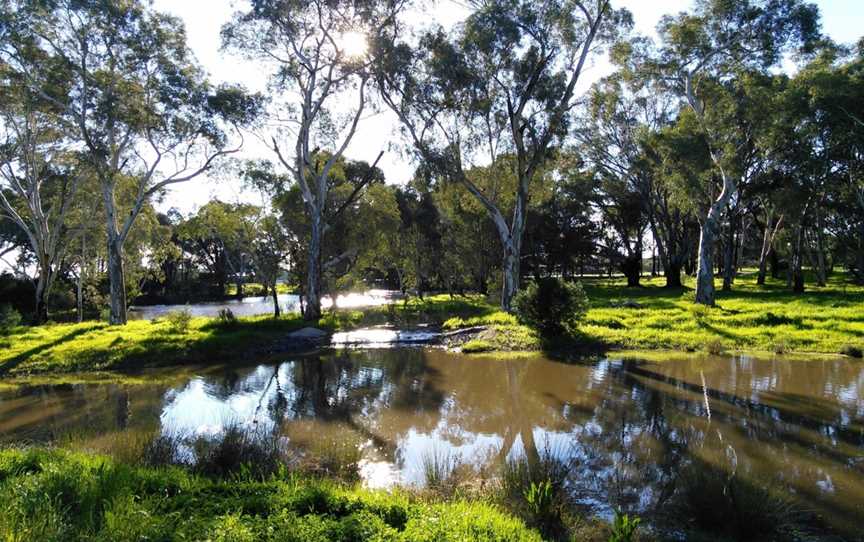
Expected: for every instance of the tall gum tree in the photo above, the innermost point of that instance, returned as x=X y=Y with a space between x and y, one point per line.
x=39 y=182
x=708 y=46
x=137 y=102
x=319 y=54
x=505 y=81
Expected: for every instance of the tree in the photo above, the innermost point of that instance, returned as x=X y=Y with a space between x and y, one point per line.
x=39 y=181
x=306 y=42
x=219 y=236
x=704 y=49
x=506 y=82
x=135 y=99
x=269 y=253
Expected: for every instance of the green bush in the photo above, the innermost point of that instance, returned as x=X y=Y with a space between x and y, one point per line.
x=178 y=321
x=9 y=318
x=552 y=305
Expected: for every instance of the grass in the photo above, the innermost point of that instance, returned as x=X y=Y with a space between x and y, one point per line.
x=755 y=319
x=751 y=318
x=62 y=495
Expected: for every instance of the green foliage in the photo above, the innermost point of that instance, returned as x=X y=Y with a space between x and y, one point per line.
x=552 y=305
x=178 y=321
x=9 y=318
x=475 y=346
x=58 y=495
x=624 y=528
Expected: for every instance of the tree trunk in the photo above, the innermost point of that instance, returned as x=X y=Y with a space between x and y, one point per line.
x=511 y=276
x=116 y=282
x=796 y=273
x=276 y=311
x=705 y=268
x=728 y=257
x=631 y=269
x=41 y=314
x=859 y=272
x=239 y=285
x=673 y=274
x=313 y=271
x=767 y=246
x=821 y=267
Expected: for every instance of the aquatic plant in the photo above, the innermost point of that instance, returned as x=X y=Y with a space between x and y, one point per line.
x=624 y=527
x=441 y=471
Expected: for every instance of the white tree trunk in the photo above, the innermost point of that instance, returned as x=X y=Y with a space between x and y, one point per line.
x=313 y=270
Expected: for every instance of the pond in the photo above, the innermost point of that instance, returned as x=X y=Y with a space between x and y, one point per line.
x=633 y=431
x=255 y=305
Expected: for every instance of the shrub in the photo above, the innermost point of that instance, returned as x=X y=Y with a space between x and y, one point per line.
x=9 y=318
x=780 y=346
x=178 y=321
x=851 y=350
x=552 y=305
x=476 y=346
x=714 y=347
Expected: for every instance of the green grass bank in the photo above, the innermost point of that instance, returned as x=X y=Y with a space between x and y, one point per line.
x=53 y=494
x=751 y=318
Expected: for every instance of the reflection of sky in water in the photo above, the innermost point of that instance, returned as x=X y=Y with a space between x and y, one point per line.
x=628 y=428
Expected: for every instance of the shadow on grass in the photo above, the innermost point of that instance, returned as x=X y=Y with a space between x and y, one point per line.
x=27 y=354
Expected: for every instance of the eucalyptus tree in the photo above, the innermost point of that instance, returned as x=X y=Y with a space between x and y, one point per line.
x=39 y=181
x=699 y=52
x=505 y=81
x=133 y=96
x=319 y=54
x=618 y=119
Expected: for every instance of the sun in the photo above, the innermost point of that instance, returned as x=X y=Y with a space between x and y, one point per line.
x=353 y=44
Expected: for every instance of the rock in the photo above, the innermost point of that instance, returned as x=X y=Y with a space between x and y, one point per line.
x=626 y=304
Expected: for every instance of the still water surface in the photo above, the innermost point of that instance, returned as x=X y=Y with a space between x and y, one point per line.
x=631 y=427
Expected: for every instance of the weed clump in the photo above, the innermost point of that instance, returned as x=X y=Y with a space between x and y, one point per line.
x=178 y=321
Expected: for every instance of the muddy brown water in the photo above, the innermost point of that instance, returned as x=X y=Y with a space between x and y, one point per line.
x=629 y=428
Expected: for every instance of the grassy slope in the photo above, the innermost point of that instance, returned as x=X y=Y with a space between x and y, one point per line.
x=750 y=318
x=95 y=346
x=60 y=495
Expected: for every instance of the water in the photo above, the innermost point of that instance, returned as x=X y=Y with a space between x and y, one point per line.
x=631 y=428
x=252 y=306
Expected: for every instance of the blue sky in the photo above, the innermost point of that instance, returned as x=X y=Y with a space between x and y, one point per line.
x=842 y=20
